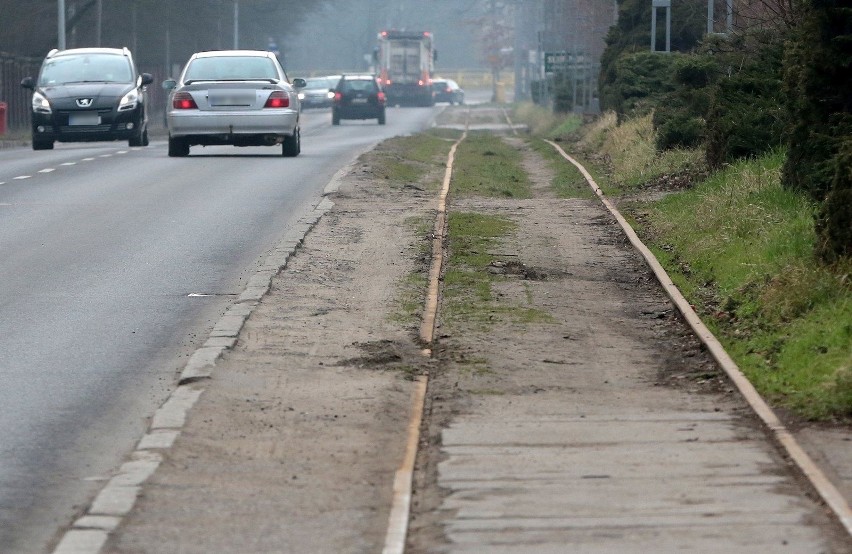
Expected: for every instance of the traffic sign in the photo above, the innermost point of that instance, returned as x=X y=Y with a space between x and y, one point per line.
x=555 y=61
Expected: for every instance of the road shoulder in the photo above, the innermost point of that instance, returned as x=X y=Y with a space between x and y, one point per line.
x=294 y=444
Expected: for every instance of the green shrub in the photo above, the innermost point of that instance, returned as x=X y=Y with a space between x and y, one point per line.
x=680 y=118
x=819 y=99
x=677 y=129
x=640 y=81
x=746 y=117
x=835 y=219
x=632 y=35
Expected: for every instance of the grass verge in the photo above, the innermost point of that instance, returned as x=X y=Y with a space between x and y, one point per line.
x=568 y=181
x=740 y=247
x=468 y=298
x=416 y=159
x=487 y=166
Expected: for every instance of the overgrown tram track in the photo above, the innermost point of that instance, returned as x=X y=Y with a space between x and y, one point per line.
x=403 y=480
x=784 y=440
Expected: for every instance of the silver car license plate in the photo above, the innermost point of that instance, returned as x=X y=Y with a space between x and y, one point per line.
x=84 y=118
x=359 y=100
x=231 y=98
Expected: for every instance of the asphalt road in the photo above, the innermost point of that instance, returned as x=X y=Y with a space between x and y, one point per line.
x=114 y=265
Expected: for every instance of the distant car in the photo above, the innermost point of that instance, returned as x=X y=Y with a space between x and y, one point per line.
x=317 y=93
x=358 y=97
x=88 y=94
x=447 y=90
x=236 y=97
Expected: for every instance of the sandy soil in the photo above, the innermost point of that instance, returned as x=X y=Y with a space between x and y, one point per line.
x=294 y=444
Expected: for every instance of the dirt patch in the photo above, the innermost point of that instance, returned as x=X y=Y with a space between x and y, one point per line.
x=294 y=445
x=613 y=343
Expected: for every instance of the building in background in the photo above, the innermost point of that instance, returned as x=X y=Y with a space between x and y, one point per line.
x=559 y=43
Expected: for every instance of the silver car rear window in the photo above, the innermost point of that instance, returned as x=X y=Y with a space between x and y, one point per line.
x=230 y=68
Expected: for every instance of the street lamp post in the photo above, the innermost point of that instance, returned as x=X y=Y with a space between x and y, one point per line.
x=236 y=24
x=61 y=24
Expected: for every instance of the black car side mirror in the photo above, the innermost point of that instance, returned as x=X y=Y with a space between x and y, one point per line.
x=147 y=79
x=169 y=84
x=300 y=83
x=28 y=82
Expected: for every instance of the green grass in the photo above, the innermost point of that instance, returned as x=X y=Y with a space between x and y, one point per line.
x=543 y=122
x=741 y=248
x=467 y=291
x=411 y=291
x=487 y=166
x=416 y=159
x=632 y=154
x=568 y=182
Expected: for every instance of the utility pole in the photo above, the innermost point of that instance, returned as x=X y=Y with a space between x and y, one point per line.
x=133 y=24
x=99 y=9
x=236 y=24
x=61 y=24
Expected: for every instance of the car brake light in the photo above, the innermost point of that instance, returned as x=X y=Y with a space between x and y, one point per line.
x=184 y=101
x=278 y=99
x=381 y=97
x=338 y=96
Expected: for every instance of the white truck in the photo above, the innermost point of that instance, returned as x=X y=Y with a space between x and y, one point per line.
x=404 y=65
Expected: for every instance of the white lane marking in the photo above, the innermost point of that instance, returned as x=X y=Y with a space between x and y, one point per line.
x=88 y=159
x=70 y=163
x=106 y=156
x=122 y=152
x=2 y=182
x=22 y=177
x=47 y=170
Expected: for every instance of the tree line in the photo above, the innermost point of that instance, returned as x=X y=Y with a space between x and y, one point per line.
x=157 y=31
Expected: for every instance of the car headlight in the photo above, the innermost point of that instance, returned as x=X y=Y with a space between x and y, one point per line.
x=330 y=95
x=129 y=101
x=40 y=103
x=301 y=96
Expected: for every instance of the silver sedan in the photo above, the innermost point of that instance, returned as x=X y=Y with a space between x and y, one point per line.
x=238 y=97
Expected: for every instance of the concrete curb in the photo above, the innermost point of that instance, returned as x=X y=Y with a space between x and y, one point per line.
x=826 y=490
x=89 y=533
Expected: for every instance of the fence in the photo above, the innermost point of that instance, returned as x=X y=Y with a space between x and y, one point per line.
x=12 y=70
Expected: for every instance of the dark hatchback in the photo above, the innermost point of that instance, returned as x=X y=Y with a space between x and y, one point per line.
x=88 y=94
x=447 y=90
x=358 y=97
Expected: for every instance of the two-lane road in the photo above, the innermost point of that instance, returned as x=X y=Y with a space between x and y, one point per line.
x=102 y=248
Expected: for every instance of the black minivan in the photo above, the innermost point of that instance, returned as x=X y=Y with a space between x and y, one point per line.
x=88 y=94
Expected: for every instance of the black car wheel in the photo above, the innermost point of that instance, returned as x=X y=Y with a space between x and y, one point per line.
x=178 y=147
x=138 y=139
x=42 y=144
x=292 y=145
x=335 y=117
x=382 y=118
